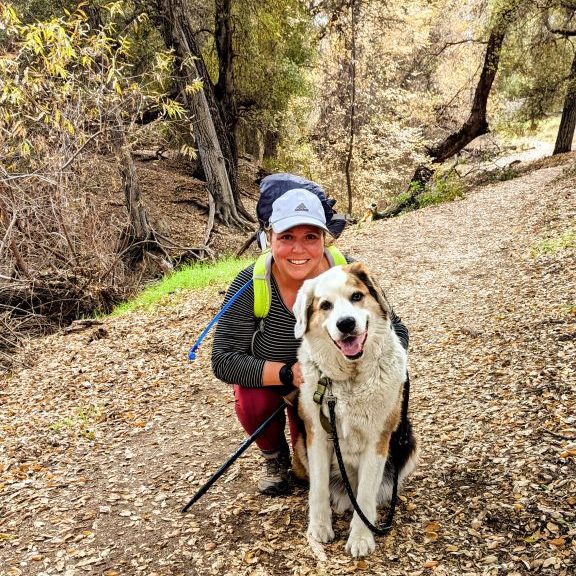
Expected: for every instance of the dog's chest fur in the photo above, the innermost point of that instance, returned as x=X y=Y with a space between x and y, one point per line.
x=367 y=398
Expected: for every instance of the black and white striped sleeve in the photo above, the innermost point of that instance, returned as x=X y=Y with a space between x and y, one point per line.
x=232 y=361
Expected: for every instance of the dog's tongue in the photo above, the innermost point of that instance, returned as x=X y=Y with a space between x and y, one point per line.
x=352 y=345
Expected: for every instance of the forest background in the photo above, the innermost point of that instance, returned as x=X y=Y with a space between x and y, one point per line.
x=379 y=101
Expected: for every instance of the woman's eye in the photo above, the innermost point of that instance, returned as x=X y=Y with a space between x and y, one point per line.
x=326 y=305
x=357 y=297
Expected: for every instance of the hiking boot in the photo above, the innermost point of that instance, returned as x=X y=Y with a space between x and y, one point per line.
x=275 y=478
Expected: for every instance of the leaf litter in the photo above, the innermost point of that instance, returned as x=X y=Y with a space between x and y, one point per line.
x=107 y=435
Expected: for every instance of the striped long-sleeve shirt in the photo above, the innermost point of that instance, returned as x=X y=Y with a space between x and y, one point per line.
x=243 y=343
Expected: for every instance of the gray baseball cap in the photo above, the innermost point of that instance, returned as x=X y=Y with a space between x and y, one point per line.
x=296 y=207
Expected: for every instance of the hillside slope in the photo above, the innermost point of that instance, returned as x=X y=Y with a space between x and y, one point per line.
x=107 y=432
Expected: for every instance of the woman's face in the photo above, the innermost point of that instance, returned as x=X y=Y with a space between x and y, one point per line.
x=298 y=252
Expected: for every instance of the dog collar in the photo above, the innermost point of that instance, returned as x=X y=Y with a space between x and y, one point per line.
x=324 y=384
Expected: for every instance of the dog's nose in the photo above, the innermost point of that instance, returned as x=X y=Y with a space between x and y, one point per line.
x=346 y=325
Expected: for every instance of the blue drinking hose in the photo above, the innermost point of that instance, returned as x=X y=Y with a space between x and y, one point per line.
x=193 y=350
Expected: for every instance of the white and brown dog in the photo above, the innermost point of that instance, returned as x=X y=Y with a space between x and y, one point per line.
x=344 y=321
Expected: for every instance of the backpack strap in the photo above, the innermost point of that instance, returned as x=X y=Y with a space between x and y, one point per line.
x=263 y=271
x=262 y=288
x=334 y=256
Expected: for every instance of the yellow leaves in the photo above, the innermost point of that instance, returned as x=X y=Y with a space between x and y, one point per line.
x=111 y=72
x=188 y=151
x=570 y=453
x=115 y=9
x=557 y=542
x=250 y=558
x=195 y=86
x=8 y=15
x=172 y=109
x=25 y=148
x=534 y=537
x=431 y=530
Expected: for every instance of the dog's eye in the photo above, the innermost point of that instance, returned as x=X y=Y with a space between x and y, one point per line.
x=357 y=297
x=325 y=305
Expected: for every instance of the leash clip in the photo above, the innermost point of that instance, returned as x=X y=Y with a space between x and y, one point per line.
x=323 y=383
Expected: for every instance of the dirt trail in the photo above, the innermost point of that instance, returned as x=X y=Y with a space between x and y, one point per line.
x=108 y=432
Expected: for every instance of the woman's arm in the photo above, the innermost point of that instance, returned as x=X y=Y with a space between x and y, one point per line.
x=232 y=361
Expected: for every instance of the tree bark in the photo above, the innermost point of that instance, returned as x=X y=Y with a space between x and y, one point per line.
x=224 y=89
x=139 y=239
x=476 y=125
x=178 y=34
x=206 y=114
x=565 y=134
x=352 y=128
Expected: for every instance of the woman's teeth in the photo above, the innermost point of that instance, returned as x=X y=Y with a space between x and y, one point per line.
x=298 y=262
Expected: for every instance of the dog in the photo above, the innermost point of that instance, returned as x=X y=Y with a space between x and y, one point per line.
x=344 y=321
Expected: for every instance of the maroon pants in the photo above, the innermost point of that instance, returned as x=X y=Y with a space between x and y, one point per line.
x=254 y=405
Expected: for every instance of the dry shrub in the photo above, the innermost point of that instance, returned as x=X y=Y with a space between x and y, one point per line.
x=59 y=258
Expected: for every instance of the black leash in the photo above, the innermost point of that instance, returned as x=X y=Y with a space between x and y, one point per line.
x=400 y=436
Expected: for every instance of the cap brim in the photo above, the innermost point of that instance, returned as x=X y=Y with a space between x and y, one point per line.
x=287 y=223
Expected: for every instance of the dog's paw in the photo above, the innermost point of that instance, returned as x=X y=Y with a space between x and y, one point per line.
x=321 y=532
x=361 y=544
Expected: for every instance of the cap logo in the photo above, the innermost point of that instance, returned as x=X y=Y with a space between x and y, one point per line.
x=301 y=208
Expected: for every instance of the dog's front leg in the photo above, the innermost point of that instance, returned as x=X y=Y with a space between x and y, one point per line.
x=371 y=468
x=320 y=519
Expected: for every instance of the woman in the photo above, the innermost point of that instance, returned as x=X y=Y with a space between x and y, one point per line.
x=259 y=356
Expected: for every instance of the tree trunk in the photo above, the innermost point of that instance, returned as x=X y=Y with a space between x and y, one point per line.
x=202 y=104
x=352 y=130
x=178 y=34
x=568 y=122
x=476 y=125
x=224 y=89
x=139 y=238
x=225 y=93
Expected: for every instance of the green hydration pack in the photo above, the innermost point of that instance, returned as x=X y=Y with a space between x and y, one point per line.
x=263 y=271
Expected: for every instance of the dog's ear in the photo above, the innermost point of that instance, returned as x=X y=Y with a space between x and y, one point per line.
x=362 y=273
x=302 y=305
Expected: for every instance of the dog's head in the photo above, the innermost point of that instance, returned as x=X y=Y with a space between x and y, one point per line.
x=341 y=302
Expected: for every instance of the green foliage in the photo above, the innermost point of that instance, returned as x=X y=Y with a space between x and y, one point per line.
x=273 y=47
x=443 y=188
x=534 y=65
x=555 y=244
x=82 y=421
x=64 y=83
x=178 y=284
